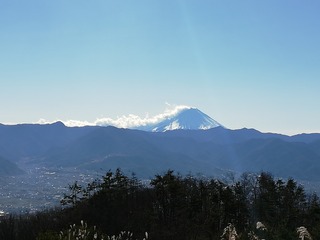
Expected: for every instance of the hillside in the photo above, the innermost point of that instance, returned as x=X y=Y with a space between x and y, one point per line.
x=8 y=168
x=210 y=152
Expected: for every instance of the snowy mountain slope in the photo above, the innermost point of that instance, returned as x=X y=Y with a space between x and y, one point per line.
x=191 y=119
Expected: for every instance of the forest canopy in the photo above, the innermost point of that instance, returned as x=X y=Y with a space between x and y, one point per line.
x=172 y=206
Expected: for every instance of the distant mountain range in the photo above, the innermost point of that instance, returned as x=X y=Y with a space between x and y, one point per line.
x=188 y=148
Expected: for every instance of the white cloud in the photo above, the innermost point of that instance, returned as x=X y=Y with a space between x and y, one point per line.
x=69 y=123
x=132 y=121
x=77 y=123
x=129 y=121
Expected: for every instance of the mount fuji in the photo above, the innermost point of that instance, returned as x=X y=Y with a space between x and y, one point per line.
x=189 y=119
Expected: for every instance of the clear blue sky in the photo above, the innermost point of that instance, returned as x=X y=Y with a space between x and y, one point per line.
x=252 y=64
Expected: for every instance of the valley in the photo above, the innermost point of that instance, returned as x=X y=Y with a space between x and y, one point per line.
x=40 y=188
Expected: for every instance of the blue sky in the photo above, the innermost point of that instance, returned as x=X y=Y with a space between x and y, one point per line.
x=252 y=64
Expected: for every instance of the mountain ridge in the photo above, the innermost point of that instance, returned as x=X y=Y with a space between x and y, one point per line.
x=197 y=144
x=151 y=152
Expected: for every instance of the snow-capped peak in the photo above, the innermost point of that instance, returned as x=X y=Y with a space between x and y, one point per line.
x=189 y=118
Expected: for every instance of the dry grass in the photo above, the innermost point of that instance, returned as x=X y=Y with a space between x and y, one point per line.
x=82 y=232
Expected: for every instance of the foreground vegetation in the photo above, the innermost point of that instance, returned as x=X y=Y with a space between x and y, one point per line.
x=175 y=207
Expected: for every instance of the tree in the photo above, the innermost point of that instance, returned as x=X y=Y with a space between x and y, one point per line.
x=170 y=205
x=75 y=195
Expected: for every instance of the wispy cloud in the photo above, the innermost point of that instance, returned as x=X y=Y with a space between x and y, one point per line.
x=126 y=121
